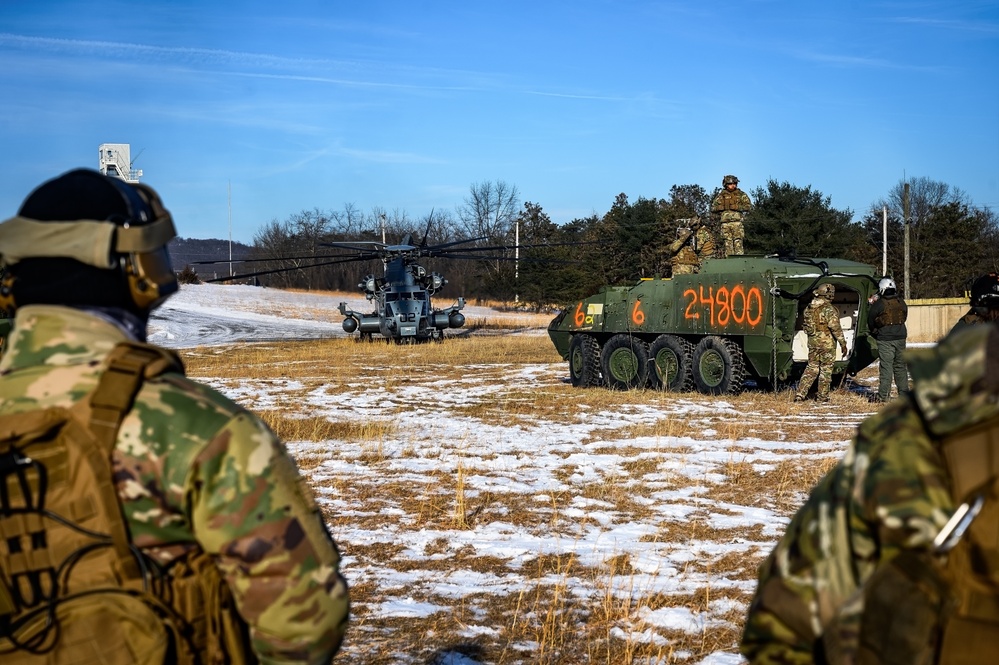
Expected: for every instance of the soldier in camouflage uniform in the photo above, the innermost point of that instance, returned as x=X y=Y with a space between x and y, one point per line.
x=694 y=243
x=732 y=204
x=984 y=302
x=195 y=473
x=871 y=566
x=821 y=324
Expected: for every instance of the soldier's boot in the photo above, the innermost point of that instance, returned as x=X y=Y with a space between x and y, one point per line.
x=823 y=398
x=799 y=398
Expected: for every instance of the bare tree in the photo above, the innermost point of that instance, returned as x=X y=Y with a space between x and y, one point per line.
x=490 y=210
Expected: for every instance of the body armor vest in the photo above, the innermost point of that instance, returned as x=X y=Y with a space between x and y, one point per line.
x=892 y=315
x=730 y=200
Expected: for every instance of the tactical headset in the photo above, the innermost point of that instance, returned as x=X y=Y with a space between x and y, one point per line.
x=133 y=244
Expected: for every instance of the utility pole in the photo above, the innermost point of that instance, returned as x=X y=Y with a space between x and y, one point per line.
x=907 y=221
x=884 y=241
x=228 y=194
x=516 y=262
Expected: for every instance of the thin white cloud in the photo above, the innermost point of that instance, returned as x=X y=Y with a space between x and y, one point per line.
x=353 y=82
x=962 y=26
x=370 y=75
x=177 y=53
x=388 y=157
x=840 y=60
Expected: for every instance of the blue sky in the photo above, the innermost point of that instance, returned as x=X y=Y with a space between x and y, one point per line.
x=404 y=105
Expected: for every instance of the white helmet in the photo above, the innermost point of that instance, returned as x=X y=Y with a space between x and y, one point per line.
x=886 y=284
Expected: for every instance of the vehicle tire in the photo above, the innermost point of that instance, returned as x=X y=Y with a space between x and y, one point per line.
x=625 y=362
x=669 y=363
x=718 y=366
x=584 y=361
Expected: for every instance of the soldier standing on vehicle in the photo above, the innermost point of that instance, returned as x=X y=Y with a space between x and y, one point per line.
x=694 y=243
x=886 y=321
x=984 y=302
x=732 y=204
x=203 y=501
x=894 y=556
x=821 y=324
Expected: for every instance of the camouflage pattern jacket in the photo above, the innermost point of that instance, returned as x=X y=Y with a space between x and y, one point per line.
x=821 y=324
x=889 y=493
x=692 y=246
x=732 y=205
x=195 y=470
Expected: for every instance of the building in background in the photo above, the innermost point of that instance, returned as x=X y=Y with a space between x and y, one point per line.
x=115 y=160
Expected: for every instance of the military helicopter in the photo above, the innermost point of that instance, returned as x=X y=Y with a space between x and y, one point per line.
x=402 y=296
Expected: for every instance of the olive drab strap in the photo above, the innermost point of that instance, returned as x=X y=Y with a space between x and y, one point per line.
x=71 y=587
x=129 y=364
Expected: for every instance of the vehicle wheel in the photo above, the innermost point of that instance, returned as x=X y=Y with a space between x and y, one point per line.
x=584 y=361
x=625 y=362
x=669 y=363
x=718 y=366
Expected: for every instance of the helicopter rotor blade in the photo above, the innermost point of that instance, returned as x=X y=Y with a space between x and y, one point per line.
x=500 y=248
x=505 y=258
x=278 y=270
x=308 y=257
x=352 y=245
x=426 y=234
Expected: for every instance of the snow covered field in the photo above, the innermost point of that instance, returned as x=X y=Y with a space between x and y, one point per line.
x=210 y=314
x=653 y=512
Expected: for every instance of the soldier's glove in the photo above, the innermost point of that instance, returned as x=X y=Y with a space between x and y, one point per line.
x=843 y=347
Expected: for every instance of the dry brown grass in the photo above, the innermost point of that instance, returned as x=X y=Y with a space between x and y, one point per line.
x=543 y=618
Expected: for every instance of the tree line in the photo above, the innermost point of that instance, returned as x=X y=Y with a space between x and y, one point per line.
x=951 y=241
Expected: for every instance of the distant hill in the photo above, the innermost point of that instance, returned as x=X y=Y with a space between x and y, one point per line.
x=185 y=251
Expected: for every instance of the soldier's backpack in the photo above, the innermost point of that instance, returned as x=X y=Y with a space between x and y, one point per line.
x=72 y=587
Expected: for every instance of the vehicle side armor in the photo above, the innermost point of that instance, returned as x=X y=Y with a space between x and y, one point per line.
x=738 y=318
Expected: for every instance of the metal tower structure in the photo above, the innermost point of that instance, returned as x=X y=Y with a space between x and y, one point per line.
x=114 y=159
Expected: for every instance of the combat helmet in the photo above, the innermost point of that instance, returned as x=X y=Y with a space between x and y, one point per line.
x=886 y=284
x=985 y=291
x=729 y=180
x=825 y=291
x=85 y=238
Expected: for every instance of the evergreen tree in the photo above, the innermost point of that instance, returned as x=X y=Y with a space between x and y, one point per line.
x=787 y=219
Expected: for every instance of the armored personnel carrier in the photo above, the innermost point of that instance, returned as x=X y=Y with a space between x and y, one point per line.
x=739 y=318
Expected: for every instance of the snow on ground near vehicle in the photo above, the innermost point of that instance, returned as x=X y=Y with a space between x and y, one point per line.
x=211 y=314
x=677 y=522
